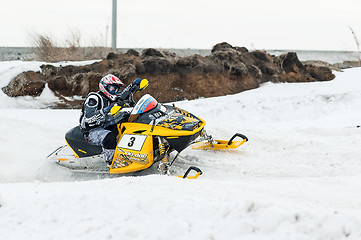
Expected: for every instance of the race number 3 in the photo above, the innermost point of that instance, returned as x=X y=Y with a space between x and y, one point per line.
x=132 y=142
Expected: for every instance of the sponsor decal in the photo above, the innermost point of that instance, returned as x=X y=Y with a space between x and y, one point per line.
x=144 y=105
x=119 y=163
x=131 y=157
x=157 y=115
x=136 y=108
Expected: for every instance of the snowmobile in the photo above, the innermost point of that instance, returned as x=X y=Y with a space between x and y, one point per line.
x=152 y=132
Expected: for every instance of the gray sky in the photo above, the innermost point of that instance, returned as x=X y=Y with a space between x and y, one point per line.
x=260 y=24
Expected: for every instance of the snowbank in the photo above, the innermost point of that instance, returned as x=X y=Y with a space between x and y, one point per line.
x=10 y=69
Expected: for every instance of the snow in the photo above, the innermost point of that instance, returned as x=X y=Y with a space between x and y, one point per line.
x=298 y=177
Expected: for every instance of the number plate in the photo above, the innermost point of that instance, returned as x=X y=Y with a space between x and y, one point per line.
x=132 y=142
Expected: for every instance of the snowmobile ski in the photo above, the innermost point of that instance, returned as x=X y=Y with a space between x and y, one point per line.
x=220 y=144
x=198 y=173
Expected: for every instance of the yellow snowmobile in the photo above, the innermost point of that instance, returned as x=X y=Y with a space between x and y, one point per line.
x=152 y=132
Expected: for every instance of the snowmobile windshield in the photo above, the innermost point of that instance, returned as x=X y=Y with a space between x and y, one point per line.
x=145 y=104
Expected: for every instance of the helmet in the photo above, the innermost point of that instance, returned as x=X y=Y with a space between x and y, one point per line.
x=110 y=85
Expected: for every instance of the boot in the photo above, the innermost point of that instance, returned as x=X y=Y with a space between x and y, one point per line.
x=108 y=156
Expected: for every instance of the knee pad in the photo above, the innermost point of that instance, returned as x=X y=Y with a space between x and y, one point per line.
x=110 y=141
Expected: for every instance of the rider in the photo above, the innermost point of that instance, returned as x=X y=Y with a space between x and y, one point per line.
x=96 y=121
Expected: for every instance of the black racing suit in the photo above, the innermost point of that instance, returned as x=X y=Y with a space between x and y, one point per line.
x=96 y=122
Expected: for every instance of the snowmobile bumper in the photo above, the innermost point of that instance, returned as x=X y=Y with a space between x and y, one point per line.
x=220 y=144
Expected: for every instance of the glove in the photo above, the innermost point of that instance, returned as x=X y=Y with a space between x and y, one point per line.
x=137 y=81
x=139 y=84
x=134 y=86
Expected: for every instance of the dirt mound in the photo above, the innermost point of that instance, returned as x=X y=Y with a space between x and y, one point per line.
x=227 y=70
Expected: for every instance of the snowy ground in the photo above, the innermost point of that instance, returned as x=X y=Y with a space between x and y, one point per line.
x=298 y=177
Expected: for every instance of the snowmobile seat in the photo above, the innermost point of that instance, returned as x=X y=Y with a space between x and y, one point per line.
x=80 y=146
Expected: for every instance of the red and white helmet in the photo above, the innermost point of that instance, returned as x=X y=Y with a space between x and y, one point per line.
x=110 y=86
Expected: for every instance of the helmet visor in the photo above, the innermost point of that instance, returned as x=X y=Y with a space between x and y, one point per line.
x=113 y=89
